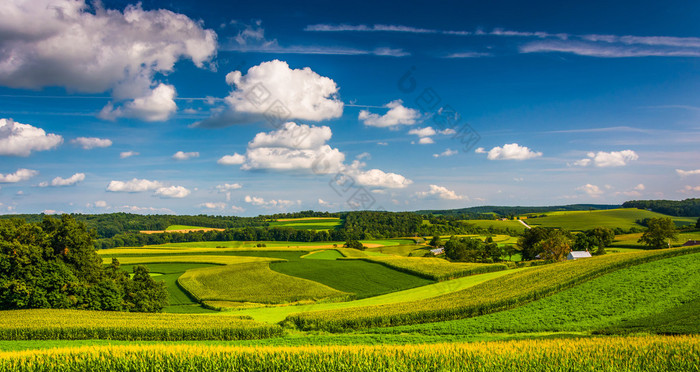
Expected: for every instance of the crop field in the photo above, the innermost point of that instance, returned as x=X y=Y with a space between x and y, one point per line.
x=363 y=279
x=436 y=269
x=252 y=282
x=630 y=240
x=648 y=290
x=179 y=301
x=657 y=353
x=583 y=220
x=498 y=224
x=278 y=314
x=508 y=292
x=81 y=324
x=312 y=223
x=207 y=259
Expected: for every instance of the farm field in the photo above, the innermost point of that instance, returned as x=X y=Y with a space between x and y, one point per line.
x=435 y=268
x=312 y=223
x=583 y=220
x=647 y=290
x=498 y=224
x=611 y=353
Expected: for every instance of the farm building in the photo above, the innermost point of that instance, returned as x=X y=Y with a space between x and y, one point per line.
x=575 y=255
x=691 y=242
x=437 y=251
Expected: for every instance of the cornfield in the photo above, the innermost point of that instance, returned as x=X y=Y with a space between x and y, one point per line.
x=503 y=293
x=61 y=324
x=436 y=269
x=653 y=353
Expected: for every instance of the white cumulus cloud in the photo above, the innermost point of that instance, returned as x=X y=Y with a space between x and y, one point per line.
x=440 y=192
x=84 y=48
x=88 y=143
x=180 y=155
x=234 y=159
x=379 y=178
x=134 y=185
x=447 y=152
x=177 y=192
x=608 y=159
x=127 y=154
x=70 y=181
x=511 y=151
x=213 y=205
x=592 y=190
x=397 y=115
x=19 y=139
x=684 y=173
x=278 y=203
x=228 y=187
x=21 y=174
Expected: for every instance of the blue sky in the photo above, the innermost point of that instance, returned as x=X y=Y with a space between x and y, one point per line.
x=139 y=108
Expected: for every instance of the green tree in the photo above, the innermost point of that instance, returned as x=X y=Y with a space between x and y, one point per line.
x=556 y=246
x=145 y=294
x=356 y=244
x=435 y=241
x=509 y=250
x=697 y=224
x=528 y=242
x=660 y=231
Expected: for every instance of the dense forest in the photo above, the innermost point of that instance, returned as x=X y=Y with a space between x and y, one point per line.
x=679 y=208
x=53 y=264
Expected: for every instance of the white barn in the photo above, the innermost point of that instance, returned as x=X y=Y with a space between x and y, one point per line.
x=575 y=255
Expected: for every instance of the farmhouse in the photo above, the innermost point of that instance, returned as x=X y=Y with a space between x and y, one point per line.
x=575 y=255
x=437 y=251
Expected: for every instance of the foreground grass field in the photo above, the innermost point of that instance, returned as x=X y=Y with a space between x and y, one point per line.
x=657 y=353
x=80 y=324
x=583 y=220
x=650 y=290
x=508 y=292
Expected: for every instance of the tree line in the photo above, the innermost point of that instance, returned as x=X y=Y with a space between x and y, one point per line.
x=53 y=264
x=679 y=208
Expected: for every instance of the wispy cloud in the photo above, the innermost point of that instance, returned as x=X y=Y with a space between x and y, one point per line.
x=366 y=28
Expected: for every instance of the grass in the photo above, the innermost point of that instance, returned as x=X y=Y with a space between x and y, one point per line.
x=252 y=282
x=396 y=250
x=583 y=220
x=630 y=240
x=329 y=254
x=113 y=325
x=308 y=223
x=508 y=292
x=184 y=227
x=363 y=279
x=277 y=314
x=179 y=301
x=208 y=259
x=631 y=298
x=498 y=224
x=682 y=319
x=436 y=269
x=658 y=353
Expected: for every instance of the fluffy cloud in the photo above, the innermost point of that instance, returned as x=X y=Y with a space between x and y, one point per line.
x=397 y=115
x=88 y=143
x=511 y=151
x=440 y=192
x=101 y=204
x=70 y=181
x=480 y=150
x=684 y=173
x=158 y=105
x=66 y=43
x=213 y=205
x=21 y=174
x=177 y=192
x=294 y=148
x=137 y=209
x=279 y=203
x=21 y=139
x=423 y=132
x=273 y=85
x=234 y=159
x=592 y=190
x=128 y=154
x=379 y=178
x=135 y=185
x=228 y=187
x=636 y=191
x=426 y=141
x=447 y=152
x=608 y=159
x=689 y=189
x=180 y=155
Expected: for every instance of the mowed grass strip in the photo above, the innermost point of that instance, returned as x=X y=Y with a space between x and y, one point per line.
x=651 y=290
x=433 y=268
x=210 y=259
x=507 y=292
x=652 y=353
x=55 y=324
x=253 y=282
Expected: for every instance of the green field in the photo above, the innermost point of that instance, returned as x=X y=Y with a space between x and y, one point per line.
x=645 y=291
x=497 y=224
x=435 y=268
x=309 y=223
x=583 y=220
x=184 y=227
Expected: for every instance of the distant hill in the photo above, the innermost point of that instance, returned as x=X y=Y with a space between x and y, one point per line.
x=507 y=211
x=679 y=208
